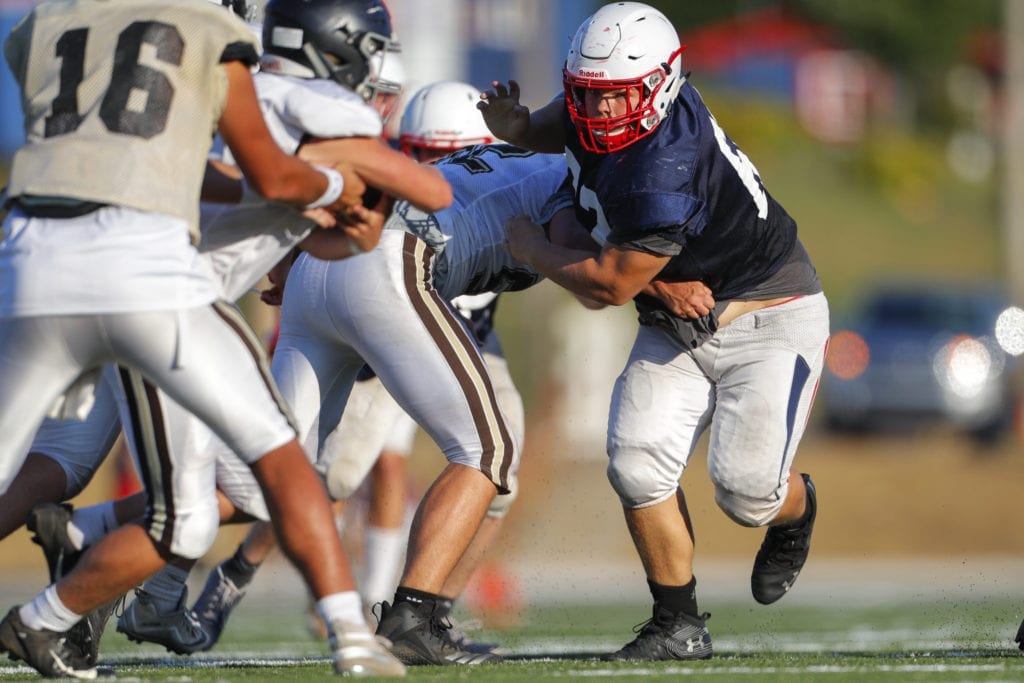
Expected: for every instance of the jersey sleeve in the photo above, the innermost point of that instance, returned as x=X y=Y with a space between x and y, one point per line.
x=562 y=198
x=658 y=223
x=331 y=113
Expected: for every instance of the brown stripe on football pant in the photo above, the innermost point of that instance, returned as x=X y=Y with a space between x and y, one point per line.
x=152 y=453
x=459 y=351
x=462 y=355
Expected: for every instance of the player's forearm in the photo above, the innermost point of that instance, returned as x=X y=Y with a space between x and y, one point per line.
x=391 y=172
x=608 y=276
x=329 y=245
x=578 y=271
x=423 y=186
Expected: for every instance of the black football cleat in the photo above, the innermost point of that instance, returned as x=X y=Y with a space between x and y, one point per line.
x=418 y=636
x=783 y=553
x=666 y=637
x=45 y=651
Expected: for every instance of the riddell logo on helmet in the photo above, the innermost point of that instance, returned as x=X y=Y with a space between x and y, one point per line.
x=586 y=73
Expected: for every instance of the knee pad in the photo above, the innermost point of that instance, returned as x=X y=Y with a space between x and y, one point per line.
x=192 y=531
x=749 y=511
x=503 y=502
x=342 y=479
x=638 y=480
x=344 y=466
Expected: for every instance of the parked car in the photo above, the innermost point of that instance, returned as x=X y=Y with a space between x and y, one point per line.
x=923 y=352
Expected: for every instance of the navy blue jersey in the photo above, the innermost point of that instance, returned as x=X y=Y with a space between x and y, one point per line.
x=688 y=192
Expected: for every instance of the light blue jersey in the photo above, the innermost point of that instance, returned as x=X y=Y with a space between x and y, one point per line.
x=491 y=184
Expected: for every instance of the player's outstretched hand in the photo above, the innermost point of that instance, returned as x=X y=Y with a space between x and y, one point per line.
x=504 y=115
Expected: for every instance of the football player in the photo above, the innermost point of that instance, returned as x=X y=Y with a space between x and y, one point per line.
x=664 y=190
x=440 y=118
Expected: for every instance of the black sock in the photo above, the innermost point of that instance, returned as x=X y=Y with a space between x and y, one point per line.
x=417 y=597
x=239 y=569
x=676 y=599
x=809 y=505
x=803 y=519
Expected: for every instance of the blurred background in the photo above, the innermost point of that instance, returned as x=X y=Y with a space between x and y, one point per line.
x=893 y=132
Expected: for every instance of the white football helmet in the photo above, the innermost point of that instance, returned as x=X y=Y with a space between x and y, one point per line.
x=624 y=45
x=442 y=117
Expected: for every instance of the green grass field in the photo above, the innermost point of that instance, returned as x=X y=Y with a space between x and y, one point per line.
x=942 y=641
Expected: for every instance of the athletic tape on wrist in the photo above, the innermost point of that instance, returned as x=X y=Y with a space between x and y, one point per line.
x=335 y=185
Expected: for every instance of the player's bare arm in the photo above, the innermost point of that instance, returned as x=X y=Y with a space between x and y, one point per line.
x=274 y=174
x=691 y=299
x=612 y=276
x=564 y=230
x=381 y=167
x=540 y=131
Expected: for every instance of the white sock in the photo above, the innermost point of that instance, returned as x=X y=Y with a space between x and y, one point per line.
x=46 y=611
x=166 y=587
x=385 y=549
x=89 y=524
x=346 y=607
